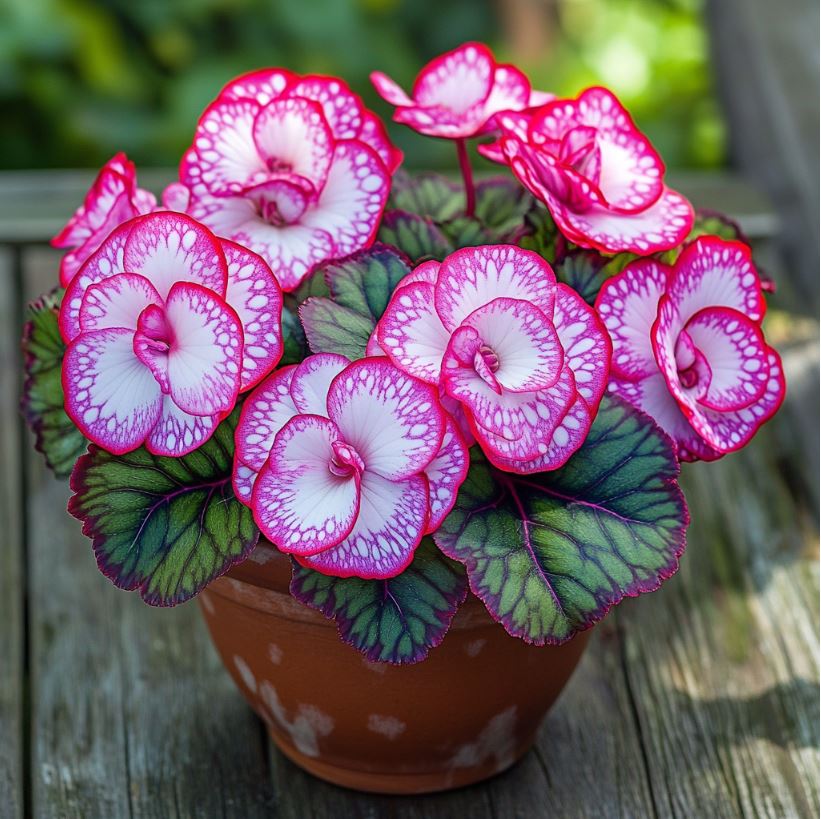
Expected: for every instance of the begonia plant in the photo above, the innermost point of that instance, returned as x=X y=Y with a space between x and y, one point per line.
x=412 y=386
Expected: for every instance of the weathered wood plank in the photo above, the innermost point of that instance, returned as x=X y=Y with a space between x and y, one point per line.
x=132 y=714
x=12 y=583
x=723 y=664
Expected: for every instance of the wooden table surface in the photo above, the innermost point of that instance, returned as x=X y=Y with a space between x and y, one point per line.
x=700 y=700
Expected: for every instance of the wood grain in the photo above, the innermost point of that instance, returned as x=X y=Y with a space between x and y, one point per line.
x=12 y=574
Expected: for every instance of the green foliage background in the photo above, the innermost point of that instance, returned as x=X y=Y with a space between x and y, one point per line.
x=81 y=79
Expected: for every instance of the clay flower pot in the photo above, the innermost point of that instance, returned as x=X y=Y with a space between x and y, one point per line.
x=467 y=712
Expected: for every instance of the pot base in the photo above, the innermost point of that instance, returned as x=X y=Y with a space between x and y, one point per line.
x=397 y=784
x=466 y=713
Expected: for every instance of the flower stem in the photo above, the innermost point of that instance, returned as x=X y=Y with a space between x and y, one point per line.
x=467 y=176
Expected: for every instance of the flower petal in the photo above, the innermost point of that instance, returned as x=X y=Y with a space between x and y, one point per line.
x=168 y=247
x=262 y=85
x=178 y=432
x=510 y=91
x=736 y=354
x=411 y=333
x=351 y=203
x=456 y=80
x=312 y=379
x=293 y=133
x=511 y=425
x=256 y=296
x=439 y=121
x=445 y=474
x=662 y=226
x=394 y=422
x=374 y=135
x=299 y=504
x=176 y=196
x=712 y=272
x=389 y=90
x=568 y=435
x=628 y=305
x=631 y=169
x=117 y=302
x=265 y=411
x=224 y=156
x=243 y=479
x=342 y=108
x=110 y=395
x=205 y=357
x=392 y=518
x=473 y=276
x=106 y=261
x=586 y=344
x=523 y=341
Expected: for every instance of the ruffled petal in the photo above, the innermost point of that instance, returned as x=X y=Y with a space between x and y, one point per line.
x=374 y=135
x=254 y=293
x=458 y=79
x=168 y=247
x=342 y=108
x=205 y=357
x=412 y=334
x=445 y=474
x=178 y=432
x=224 y=157
x=312 y=379
x=262 y=86
x=389 y=90
x=471 y=277
x=299 y=504
x=394 y=422
x=351 y=203
x=265 y=411
x=712 y=272
x=628 y=305
x=392 y=518
x=734 y=349
x=586 y=344
x=117 y=302
x=110 y=395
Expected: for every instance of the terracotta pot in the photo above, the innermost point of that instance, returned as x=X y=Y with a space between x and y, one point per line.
x=467 y=712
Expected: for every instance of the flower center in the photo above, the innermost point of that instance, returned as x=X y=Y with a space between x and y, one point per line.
x=152 y=342
x=345 y=462
x=691 y=365
x=489 y=357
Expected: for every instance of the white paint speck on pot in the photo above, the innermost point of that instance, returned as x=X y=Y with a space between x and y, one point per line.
x=497 y=740
x=473 y=648
x=246 y=674
x=274 y=653
x=389 y=727
x=305 y=727
x=206 y=602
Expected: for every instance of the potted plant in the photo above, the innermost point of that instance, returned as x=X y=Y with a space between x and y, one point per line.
x=407 y=439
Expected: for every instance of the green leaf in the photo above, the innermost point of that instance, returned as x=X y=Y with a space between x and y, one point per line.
x=333 y=328
x=713 y=223
x=397 y=620
x=364 y=282
x=416 y=236
x=501 y=206
x=427 y=194
x=314 y=285
x=294 y=344
x=56 y=437
x=165 y=526
x=584 y=271
x=550 y=553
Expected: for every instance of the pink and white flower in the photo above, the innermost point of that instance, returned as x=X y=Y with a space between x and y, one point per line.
x=294 y=168
x=526 y=358
x=165 y=325
x=458 y=94
x=347 y=465
x=688 y=347
x=114 y=198
x=599 y=176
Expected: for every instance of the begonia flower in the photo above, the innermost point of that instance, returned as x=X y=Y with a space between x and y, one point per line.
x=598 y=175
x=526 y=358
x=294 y=168
x=347 y=465
x=457 y=95
x=113 y=198
x=165 y=325
x=688 y=347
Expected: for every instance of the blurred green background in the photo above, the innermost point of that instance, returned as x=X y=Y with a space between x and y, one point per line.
x=80 y=80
